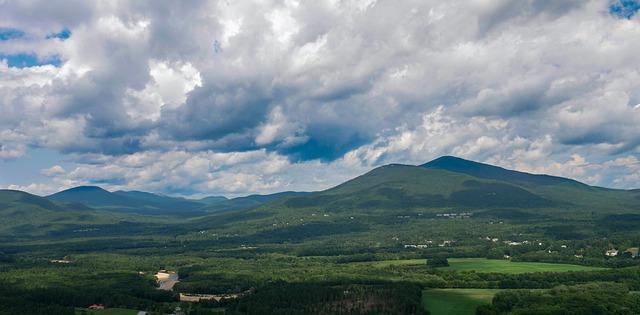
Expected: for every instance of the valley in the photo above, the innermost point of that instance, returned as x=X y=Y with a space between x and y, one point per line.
x=362 y=247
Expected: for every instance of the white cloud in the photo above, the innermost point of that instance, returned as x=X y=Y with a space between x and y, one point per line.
x=12 y=151
x=204 y=173
x=225 y=96
x=169 y=88
x=279 y=129
x=52 y=171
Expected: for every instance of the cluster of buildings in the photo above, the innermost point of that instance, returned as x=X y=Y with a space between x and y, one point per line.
x=512 y=243
x=416 y=246
x=428 y=244
x=461 y=215
x=86 y=230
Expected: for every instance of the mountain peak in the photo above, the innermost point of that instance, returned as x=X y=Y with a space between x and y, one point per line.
x=85 y=189
x=91 y=196
x=486 y=171
x=449 y=161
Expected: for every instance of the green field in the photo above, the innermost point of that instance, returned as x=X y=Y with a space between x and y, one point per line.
x=507 y=266
x=456 y=301
x=107 y=311
x=491 y=265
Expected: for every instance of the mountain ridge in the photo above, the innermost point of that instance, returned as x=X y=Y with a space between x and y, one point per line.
x=391 y=197
x=435 y=189
x=487 y=171
x=150 y=203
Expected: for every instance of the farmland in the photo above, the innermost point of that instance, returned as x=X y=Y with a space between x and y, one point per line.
x=507 y=266
x=456 y=301
x=108 y=311
x=489 y=265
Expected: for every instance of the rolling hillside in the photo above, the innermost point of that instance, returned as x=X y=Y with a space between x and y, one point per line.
x=247 y=202
x=135 y=202
x=24 y=214
x=382 y=204
x=145 y=203
x=455 y=183
x=376 y=228
x=485 y=171
x=95 y=197
x=409 y=200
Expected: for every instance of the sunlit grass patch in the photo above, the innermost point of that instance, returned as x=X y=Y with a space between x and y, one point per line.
x=456 y=301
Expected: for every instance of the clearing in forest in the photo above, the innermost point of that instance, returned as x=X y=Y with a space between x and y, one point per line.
x=456 y=301
x=508 y=266
x=166 y=280
x=490 y=265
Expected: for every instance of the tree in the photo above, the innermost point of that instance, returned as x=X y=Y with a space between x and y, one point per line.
x=438 y=262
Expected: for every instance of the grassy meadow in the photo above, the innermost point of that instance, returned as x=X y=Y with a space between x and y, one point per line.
x=107 y=311
x=489 y=265
x=456 y=301
x=508 y=266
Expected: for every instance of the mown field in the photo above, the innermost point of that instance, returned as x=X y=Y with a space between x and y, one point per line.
x=456 y=301
x=107 y=311
x=489 y=265
x=507 y=266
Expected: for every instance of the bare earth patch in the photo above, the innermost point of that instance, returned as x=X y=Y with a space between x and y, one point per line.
x=166 y=280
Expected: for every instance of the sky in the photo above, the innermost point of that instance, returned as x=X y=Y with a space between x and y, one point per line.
x=198 y=98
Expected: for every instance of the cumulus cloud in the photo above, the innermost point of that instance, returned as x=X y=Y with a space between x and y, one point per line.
x=12 y=152
x=143 y=93
x=206 y=172
x=52 y=171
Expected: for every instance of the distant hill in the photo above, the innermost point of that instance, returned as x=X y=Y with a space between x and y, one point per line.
x=22 y=213
x=444 y=183
x=95 y=197
x=380 y=206
x=154 y=204
x=247 y=202
x=161 y=201
x=413 y=200
x=128 y=201
x=451 y=182
x=12 y=200
x=212 y=199
x=406 y=187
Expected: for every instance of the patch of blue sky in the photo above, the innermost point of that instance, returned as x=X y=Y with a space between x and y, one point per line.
x=11 y=33
x=624 y=9
x=26 y=170
x=64 y=34
x=30 y=60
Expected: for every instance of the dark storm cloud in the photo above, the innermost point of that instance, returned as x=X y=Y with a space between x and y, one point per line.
x=212 y=114
x=327 y=141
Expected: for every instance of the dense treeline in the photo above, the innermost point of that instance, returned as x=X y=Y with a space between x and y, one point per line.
x=630 y=277
x=592 y=298
x=55 y=288
x=217 y=283
x=318 y=298
x=11 y=305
